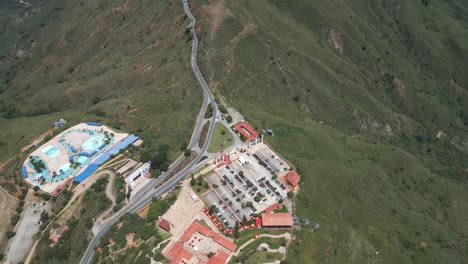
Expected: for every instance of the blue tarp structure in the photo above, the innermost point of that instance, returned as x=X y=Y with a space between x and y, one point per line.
x=91 y=132
x=93 y=124
x=104 y=157
x=23 y=170
x=103 y=145
x=73 y=149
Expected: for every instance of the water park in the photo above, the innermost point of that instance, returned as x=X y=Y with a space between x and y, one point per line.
x=74 y=154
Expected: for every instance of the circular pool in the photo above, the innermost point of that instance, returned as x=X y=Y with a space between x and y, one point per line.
x=92 y=144
x=82 y=159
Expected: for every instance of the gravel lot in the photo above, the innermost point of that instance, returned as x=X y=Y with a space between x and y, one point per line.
x=21 y=243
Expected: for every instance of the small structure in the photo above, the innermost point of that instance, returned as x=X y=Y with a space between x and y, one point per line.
x=292 y=178
x=245 y=129
x=164 y=224
x=284 y=220
x=57 y=234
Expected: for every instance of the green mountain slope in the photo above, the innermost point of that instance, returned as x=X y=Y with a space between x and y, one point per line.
x=368 y=100
x=125 y=63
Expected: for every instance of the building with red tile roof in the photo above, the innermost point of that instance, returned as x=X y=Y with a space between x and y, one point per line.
x=246 y=130
x=273 y=207
x=277 y=220
x=164 y=224
x=181 y=252
x=55 y=236
x=292 y=177
x=220 y=258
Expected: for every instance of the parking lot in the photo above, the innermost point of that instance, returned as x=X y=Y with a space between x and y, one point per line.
x=247 y=186
x=27 y=227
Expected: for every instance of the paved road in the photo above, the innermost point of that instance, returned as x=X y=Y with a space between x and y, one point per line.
x=148 y=192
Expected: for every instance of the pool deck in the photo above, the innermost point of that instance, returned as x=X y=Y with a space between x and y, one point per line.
x=65 y=141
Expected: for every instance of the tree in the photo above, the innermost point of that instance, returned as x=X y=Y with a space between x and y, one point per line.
x=228 y=118
x=9 y=234
x=242 y=137
x=200 y=181
x=211 y=254
x=192 y=180
x=248 y=204
x=36 y=188
x=241 y=173
x=212 y=209
x=244 y=219
x=187 y=153
x=236 y=229
x=44 y=216
x=257 y=198
x=290 y=194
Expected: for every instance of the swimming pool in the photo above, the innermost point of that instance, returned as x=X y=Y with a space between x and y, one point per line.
x=64 y=169
x=92 y=144
x=82 y=159
x=51 y=151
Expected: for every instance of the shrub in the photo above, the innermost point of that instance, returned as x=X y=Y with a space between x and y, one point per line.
x=290 y=194
x=9 y=234
x=14 y=219
x=222 y=109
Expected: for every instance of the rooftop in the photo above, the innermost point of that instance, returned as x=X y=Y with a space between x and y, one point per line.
x=277 y=219
x=246 y=130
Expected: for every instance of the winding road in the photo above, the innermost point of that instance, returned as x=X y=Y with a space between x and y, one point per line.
x=149 y=191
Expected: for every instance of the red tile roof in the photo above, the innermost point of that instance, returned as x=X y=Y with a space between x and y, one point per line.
x=181 y=254
x=273 y=207
x=164 y=224
x=246 y=130
x=277 y=219
x=292 y=177
x=177 y=252
x=58 y=233
x=220 y=258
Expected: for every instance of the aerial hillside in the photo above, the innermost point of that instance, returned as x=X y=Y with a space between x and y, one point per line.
x=123 y=62
x=368 y=99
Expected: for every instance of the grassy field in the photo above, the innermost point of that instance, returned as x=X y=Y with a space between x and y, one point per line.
x=221 y=139
x=356 y=94
x=262 y=257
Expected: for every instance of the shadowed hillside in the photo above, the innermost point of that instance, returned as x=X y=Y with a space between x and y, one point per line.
x=368 y=100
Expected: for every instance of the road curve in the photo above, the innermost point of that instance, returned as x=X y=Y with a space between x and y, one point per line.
x=148 y=192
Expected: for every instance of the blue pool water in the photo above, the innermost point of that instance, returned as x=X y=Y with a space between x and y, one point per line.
x=51 y=151
x=82 y=159
x=64 y=169
x=92 y=144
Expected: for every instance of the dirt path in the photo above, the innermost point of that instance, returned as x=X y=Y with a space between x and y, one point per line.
x=110 y=195
x=110 y=188
x=285 y=235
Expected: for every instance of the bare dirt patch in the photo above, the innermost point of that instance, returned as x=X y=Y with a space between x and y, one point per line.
x=400 y=86
x=336 y=39
x=217 y=11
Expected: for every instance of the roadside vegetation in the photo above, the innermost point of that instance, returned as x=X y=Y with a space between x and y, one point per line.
x=132 y=239
x=73 y=242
